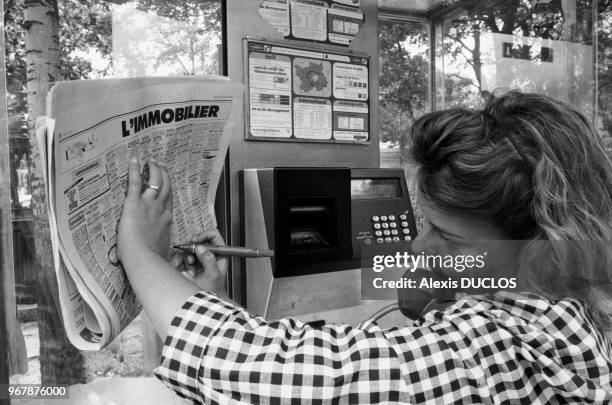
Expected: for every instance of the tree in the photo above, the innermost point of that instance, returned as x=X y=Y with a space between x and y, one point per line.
x=40 y=51
x=176 y=38
x=49 y=40
x=604 y=70
x=463 y=35
x=403 y=79
x=188 y=38
x=60 y=362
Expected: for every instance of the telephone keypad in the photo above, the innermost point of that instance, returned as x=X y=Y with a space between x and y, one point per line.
x=387 y=230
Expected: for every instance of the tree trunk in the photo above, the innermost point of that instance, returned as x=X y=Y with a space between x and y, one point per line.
x=60 y=362
x=477 y=56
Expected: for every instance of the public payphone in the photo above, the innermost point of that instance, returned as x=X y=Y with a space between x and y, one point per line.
x=317 y=220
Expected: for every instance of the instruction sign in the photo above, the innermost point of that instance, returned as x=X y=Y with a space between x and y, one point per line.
x=302 y=95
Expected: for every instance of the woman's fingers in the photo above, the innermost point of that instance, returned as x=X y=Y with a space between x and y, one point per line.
x=165 y=193
x=177 y=258
x=134 y=183
x=211 y=236
x=155 y=185
x=209 y=262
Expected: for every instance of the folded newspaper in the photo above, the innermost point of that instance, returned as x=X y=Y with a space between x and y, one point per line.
x=91 y=129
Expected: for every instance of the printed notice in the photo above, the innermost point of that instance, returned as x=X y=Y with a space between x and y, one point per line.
x=350 y=81
x=344 y=23
x=329 y=21
x=276 y=12
x=354 y=3
x=312 y=118
x=298 y=95
x=312 y=77
x=350 y=120
x=96 y=126
x=270 y=95
x=309 y=19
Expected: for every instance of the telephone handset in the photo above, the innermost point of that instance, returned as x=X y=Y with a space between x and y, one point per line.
x=413 y=303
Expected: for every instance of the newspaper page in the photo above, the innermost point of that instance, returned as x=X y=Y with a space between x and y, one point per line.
x=184 y=123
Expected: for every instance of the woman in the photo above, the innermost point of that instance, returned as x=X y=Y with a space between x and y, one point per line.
x=526 y=167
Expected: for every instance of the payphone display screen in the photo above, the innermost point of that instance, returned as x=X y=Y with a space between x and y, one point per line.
x=367 y=189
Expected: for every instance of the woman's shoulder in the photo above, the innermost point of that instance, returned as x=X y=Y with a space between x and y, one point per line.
x=519 y=339
x=516 y=319
x=517 y=309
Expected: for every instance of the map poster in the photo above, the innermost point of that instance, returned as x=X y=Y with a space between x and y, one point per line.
x=312 y=77
x=302 y=95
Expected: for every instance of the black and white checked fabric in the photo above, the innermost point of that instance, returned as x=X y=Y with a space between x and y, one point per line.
x=507 y=349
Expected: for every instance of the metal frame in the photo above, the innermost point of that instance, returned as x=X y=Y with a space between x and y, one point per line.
x=6 y=229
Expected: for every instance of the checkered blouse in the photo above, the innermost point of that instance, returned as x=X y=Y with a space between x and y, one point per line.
x=511 y=349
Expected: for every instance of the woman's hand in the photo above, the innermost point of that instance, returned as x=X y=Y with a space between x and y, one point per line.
x=210 y=273
x=146 y=218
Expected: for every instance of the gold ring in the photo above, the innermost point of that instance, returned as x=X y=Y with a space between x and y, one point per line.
x=156 y=188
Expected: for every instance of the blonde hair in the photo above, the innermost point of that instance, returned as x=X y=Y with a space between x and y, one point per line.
x=537 y=168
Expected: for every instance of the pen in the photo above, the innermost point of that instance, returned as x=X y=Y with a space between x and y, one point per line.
x=237 y=251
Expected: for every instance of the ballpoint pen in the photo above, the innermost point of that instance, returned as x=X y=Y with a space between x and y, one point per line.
x=236 y=251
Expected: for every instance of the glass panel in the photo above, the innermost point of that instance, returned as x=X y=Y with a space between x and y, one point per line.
x=604 y=71
x=404 y=90
x=97 y=40
x=543 y=46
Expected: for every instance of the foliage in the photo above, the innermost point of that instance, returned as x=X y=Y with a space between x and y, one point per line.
x=187 y=34
x=404 y=74
x=84 y=24
x=462 y=35
x=604 y=69
x=14 y=40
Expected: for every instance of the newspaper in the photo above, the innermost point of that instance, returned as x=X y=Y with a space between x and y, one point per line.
x=91 y=130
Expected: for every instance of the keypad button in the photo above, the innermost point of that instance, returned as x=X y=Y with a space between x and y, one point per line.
x=407 y=237
x=383 y=217
x=378 y=233
x=391 y=217
x=396 y=239
x=388 y=240
x=375 y=218
x=380 y=240
x=386 y=232
x=406 y=231
x=376 y=226
x=403 y=217
x=385 y=225
x=405 y=224
x=393 y=225
x=394 y=232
